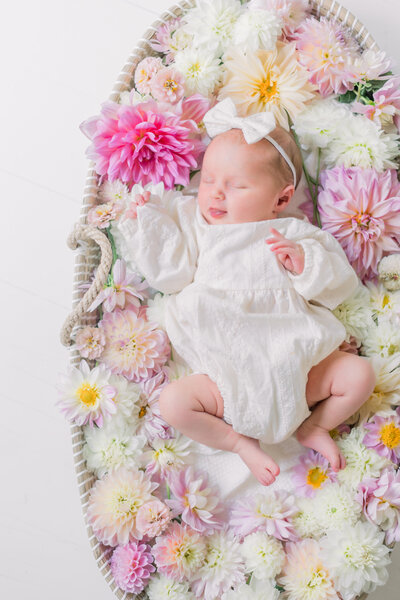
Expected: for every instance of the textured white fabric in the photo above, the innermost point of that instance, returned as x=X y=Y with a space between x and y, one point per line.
x=236 y=314
x=223 y=117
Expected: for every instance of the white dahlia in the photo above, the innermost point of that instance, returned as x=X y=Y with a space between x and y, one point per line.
x=357 y=558
x=127 y=401
x=257 y=590
x=263 y=555
x=111 y=447
x=167 y=454
x=356 y=314
x=382 y=339
x=162 y=587
x=257 y=30
x=361 y=143
x=385 y=304
x=223 y=566
x=389 y=272
x=318 y=123
x=203 y=73
x=335 y=507
x=211 y=23
x=360 y=461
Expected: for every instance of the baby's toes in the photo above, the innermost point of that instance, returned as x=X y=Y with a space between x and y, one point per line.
x=342 y=462
x=267 y=477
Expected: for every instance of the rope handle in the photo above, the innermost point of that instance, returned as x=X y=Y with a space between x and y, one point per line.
x=85 y=233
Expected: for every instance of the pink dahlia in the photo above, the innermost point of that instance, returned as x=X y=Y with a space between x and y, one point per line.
x=380 y=499
x=114 y=502
x=90 y=342
x=141 y=144
x=101 y=214
x=164 y=42
x=386 y=102
x=150 y=422
x=135 y=348
x=328 y=54
x=291 y=12
x=152 y=518
x=168 y=85
x=179 y=552
x=146 y=70
x=195 y=500
x=271 y=512
x=384 y=436
x=361 y=209
x=131 y=566
x=124 y=291
x=311 y=473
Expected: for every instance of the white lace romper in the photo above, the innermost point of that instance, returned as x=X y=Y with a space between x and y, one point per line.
x=235 y=313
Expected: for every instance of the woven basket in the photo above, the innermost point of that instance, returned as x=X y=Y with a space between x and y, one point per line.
x=88 y=254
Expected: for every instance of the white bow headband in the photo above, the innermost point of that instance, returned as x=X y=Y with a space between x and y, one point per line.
x=223 y=117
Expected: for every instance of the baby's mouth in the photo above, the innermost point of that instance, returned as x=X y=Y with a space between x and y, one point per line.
x=215 y=212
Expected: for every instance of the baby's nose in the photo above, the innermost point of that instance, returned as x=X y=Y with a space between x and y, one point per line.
x=217 y=192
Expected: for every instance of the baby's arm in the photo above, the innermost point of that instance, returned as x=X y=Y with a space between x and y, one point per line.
x=159 y=240
x=320 y=271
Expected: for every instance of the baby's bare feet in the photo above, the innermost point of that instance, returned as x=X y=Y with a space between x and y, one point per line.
x=314 y=436
x=260 y=464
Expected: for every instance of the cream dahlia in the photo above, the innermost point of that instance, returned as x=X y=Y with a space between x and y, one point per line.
x=266 y=81
x=263 y=555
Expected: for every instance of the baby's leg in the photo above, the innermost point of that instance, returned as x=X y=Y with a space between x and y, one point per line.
x=194 y=406
x=339 y=385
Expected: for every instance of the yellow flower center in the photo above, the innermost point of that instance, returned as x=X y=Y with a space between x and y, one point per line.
x=390 y=435
x=316 y=477
x=266 y=89
x=385 y=301
x=194 y=69
x=142 y=412
x=88 y=394
x=130 y=347
x=170 y=84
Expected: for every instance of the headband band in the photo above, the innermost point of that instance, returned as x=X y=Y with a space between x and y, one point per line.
x=223 y=117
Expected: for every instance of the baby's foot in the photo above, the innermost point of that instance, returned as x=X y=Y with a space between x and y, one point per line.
x=260 y=464
x=314 y=436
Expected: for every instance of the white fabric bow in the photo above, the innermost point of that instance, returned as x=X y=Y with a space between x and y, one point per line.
x=223 y=117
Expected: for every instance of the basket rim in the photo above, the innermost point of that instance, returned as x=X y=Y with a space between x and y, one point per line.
x=87 y=257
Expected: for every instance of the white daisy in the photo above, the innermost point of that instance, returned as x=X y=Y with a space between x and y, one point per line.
x=167 y=454
x=133 y=97
x=257 y=590
x=263 y=555
x=163 y=588
x=382 y=339
x=202 y=72
x=357 y=558
x=111 y=447
x=361 y=143
x=335 y=507
x=87 y=396
x=211 y=23
x=257 y=29
x=223 y=566
x=356 y=314
x=389 y=272
x=360 y=461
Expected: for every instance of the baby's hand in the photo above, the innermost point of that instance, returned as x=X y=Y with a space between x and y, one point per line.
x=289 y=254
x=140 y=199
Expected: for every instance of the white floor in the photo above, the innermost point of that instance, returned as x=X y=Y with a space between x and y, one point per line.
x=59 y=62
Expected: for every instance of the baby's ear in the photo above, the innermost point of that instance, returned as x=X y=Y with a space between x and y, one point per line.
x=285 y=197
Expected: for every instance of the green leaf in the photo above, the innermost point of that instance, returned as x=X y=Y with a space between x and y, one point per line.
x=347 y=97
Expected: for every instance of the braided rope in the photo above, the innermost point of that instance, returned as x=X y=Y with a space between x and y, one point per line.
x=87 y=232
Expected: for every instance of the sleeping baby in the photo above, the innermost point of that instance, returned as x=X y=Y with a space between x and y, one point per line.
x=249 y=300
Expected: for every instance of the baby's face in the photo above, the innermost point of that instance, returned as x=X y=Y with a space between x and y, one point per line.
x=235 y=186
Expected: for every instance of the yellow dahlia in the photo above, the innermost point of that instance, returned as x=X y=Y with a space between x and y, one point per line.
x=267 y=81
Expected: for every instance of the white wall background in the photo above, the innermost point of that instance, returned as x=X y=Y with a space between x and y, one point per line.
x=60 y=59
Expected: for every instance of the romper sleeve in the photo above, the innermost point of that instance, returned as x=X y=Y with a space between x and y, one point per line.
x=327 y=278
x=161 y=242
